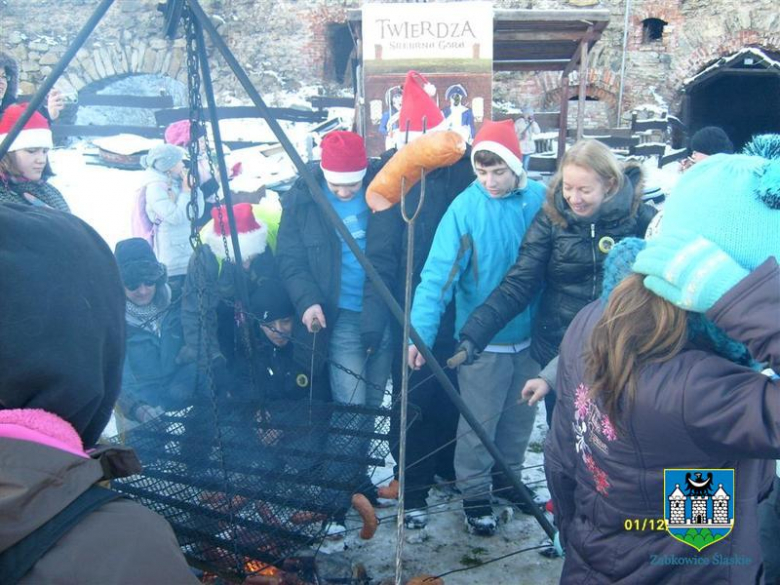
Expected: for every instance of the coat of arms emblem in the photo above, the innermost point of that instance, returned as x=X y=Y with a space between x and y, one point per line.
x=699 y=505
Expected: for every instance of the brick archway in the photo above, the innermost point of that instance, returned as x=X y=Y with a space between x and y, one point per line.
x=602 y=86
x=159 y=56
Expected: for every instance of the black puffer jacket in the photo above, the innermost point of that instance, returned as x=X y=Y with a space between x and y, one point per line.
x=386 y=243
x=563 y=256
x=308 y=253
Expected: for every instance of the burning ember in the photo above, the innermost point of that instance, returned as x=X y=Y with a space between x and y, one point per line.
x=260 y=568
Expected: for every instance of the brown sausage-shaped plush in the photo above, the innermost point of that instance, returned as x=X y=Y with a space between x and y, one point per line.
x=370 y=522
x=429 y=151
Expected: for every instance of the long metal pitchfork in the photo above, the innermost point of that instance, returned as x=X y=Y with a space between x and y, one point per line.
x=405 y=370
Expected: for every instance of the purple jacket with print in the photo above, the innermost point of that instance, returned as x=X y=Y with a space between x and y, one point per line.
x=697 y=410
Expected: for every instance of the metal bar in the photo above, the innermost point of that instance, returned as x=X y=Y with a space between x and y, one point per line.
x=208 y=90
x=55 y=74
x=384 y=292
x=126 y=101
x=241 y=277
x=623 y=64
x=563 y=121
x=583 y=82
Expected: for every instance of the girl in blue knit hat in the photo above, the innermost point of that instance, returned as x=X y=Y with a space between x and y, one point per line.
x=167 y=197
x=666 y=375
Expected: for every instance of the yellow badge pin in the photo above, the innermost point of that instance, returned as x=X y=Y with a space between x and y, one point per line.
x=605 y=244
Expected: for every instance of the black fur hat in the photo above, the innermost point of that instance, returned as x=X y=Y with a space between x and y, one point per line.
x=711 y=140
x=137 y=263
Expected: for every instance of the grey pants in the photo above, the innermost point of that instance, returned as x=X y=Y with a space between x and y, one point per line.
x=491 y=385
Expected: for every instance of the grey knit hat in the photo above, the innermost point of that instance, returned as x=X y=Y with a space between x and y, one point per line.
x=163 y=157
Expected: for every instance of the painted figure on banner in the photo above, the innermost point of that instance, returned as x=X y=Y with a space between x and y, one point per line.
x=457 y=114
x=388 y=124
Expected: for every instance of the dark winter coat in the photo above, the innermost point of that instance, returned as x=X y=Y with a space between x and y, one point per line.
x=11 y=68
x=386 y=243
x=563 y=255
x=309 y=252
x=697 y=410
x=214 y=284
x=286 y=378
x=150 y=374
x=120 y=542
x=61 y=350
x=62 y=338
x=42 y=192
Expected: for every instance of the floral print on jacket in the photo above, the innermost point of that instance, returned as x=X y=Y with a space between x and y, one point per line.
x=592 y=428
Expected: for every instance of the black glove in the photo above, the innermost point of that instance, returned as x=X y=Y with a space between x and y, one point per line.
x=371 y=340
x=470 y=349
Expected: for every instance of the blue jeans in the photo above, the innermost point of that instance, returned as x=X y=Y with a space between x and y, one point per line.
x=347 y=350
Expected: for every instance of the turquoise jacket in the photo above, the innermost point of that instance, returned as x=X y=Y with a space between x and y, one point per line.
x=475 y=244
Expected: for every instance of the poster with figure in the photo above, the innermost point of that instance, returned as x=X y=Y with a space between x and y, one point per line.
x=450 y=43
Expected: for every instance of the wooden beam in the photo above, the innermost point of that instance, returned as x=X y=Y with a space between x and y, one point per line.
x=165 y=117
x=66 y=130
x=535 y=36
x=586 y=16
x=126 y=101
x=539 y=62
x=527 y=66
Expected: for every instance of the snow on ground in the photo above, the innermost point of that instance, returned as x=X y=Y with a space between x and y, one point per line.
x=448 y=546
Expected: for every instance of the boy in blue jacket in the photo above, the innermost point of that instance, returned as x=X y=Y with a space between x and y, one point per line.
x=475 y=244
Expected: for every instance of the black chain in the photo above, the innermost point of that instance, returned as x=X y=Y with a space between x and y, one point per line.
x=204 y=353
x=197 y=128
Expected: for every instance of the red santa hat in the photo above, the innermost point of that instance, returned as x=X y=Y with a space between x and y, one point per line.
x=344 y=159
x=35 y=134
x=500 y=139
x=252 y=235
x=417 y=105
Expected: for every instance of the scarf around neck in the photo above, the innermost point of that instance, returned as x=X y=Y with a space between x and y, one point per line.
x=149 y=317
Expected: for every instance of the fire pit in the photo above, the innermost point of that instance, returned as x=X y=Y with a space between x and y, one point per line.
x=245 y=485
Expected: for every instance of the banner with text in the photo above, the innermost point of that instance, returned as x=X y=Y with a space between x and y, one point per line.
x=450 y=43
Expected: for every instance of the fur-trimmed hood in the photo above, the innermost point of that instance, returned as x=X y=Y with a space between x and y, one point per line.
x=624 y=203
x=12 y=70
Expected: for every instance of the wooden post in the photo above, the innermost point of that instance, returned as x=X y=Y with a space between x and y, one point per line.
x=583 y=85
x=563 y=121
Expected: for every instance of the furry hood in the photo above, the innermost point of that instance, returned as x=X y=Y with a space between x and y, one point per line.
x=12 y=69
x=624 y=203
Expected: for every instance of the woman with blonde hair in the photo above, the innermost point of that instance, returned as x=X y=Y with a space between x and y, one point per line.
x=661 y=387
x=592 y=203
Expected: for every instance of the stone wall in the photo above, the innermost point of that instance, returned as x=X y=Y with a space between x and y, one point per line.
x=285 y=44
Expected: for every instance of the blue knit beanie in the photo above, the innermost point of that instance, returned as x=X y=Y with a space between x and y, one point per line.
x=701 y=332
x=732 y=200
x=163 y=157
x=619 y=263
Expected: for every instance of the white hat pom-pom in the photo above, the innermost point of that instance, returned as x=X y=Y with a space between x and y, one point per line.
x=430 y=89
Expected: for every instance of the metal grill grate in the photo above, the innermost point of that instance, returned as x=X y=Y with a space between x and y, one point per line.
x=245 y=483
